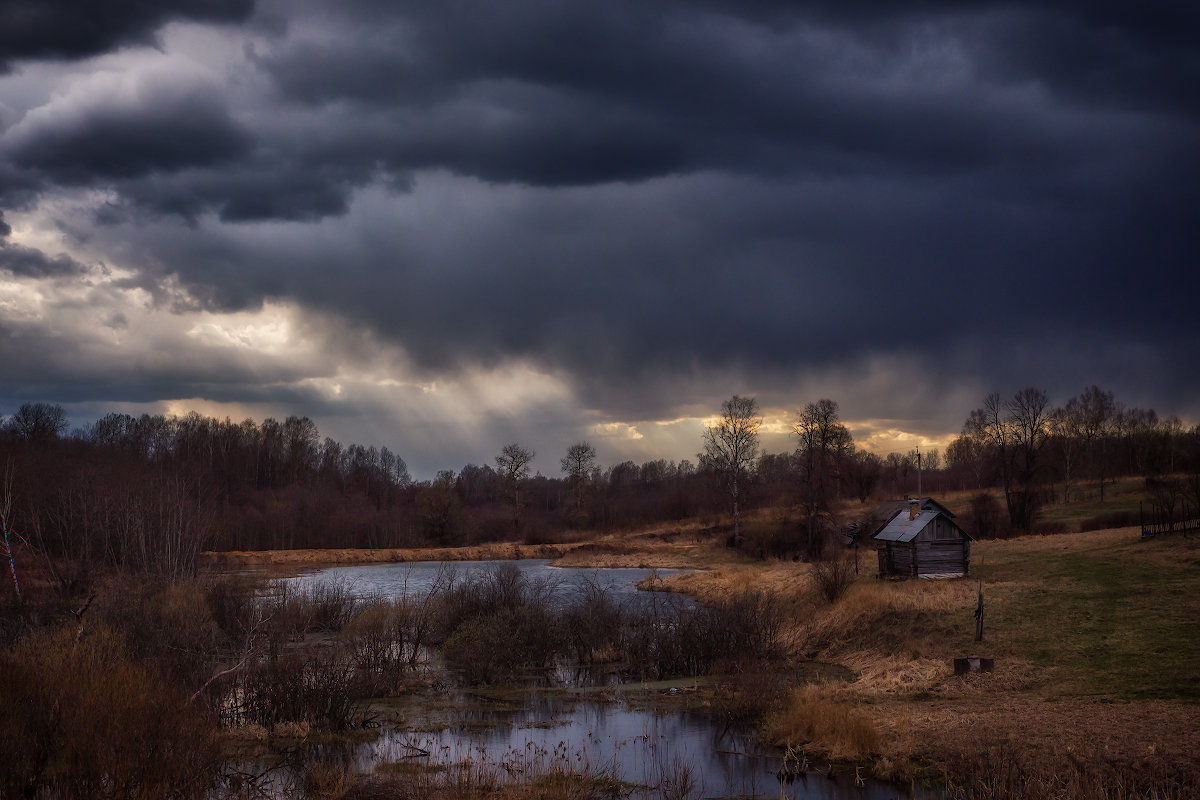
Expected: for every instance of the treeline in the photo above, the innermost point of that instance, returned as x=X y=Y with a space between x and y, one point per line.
x=149 y=493
x=1040 y=453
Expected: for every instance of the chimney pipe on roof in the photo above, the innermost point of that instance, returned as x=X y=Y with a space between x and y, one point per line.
x=914 y=508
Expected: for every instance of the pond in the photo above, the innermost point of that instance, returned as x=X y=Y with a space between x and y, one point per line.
x=415 y=578
x=646 y=735
x=657 y=752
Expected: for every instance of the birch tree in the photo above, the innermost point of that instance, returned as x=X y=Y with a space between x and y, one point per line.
x=6 y=523
x=731 y=448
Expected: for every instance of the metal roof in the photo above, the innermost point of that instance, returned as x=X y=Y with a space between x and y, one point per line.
x=904 y=528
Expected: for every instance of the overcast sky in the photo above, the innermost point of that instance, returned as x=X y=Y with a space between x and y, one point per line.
x=443 y=226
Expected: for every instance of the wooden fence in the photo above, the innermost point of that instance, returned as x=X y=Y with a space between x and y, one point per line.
x=1163 y=519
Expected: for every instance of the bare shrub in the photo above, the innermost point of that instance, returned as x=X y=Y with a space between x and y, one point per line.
x=505 y=643
x=749 y=699
x=500 y=625
x=326 y=607
x=233 y=604
x=378 y=635
x=166 y=626
x=318 y=687
x=746 y=625
x=81 y=719
x=984 y=519
x=833 y=577
x=593 y=624
x=664 y=638
x=677 y=781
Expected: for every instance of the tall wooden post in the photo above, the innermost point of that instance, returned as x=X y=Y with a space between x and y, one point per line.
x=979 y=606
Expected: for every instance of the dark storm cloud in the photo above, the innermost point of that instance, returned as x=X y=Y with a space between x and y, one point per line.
x=107 y=135
x=32 y=263
x=628 y=193
x=38 y=29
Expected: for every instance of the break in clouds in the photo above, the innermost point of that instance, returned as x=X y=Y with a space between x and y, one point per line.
x=442 y=227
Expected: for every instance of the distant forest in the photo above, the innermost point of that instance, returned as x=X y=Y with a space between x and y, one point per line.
x=149 y=493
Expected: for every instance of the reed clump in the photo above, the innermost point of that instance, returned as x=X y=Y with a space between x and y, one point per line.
x=815 y=722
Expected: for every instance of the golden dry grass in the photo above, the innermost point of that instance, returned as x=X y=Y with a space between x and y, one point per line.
x=673 y=546
x=493 y=551
x=816 y=721
x=1095 y=640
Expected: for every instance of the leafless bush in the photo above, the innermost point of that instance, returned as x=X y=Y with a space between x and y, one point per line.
x=677 y=781
x=748 y=700
x=167 y=627
x=593 y=624
x=327 y=606
x=379 y=642
x=661 y=638
x=747 y=625
x=234 y=606
x=79 y=718
x=833 y=577
x=505 y=643
x=500 y=625
x=318 y=687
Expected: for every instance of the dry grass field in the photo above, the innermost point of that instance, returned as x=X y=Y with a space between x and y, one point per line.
x=1095 y=638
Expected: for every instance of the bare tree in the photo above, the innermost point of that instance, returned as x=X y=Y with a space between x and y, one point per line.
x=38 y=422
x=513 y=466
x=1029 y=419
x=824 y=442
x=1016 y=431
x=1098 y=419
x=731 y=448
x=864 y=471
x=1067 y=428
x=579 y=463
x=6 y=523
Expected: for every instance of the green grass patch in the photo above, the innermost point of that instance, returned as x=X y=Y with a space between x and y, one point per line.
x=1111 y=618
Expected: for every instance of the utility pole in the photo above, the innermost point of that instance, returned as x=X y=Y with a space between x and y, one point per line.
x=918 y=470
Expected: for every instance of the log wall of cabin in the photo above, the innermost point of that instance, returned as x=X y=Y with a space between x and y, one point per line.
x=939 y=549
x=941 y=557
x=896 y=558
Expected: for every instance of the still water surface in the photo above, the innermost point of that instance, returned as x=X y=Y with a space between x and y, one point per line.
x=638 y=745
x=415 y=578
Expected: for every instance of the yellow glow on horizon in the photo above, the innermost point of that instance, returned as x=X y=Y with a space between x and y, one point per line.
x=617 y=430
x=883 y=436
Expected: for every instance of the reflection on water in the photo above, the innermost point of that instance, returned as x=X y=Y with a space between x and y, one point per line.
x=642 y=747
x=416 y=578
x=637 y=746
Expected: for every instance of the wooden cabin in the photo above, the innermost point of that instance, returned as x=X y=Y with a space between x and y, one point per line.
x=921 y=542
